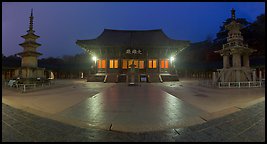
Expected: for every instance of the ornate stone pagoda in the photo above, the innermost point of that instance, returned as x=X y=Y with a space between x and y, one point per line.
x=29 y=63
x=235 y=56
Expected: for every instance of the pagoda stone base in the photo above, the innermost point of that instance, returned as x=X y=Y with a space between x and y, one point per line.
x=27 y=72
x=242 y=74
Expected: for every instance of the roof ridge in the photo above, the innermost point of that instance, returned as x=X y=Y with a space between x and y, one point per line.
x=124 y=30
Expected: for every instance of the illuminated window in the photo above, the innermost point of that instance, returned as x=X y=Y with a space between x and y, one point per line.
x=98 y=63
x=149 y=63
x=124 y=64
x=136 y=63
x=113 y=63
x=141 y=64
x=129 y=63
x=152 y=63
x=101 y=63
x=164 y=63
x=116 y=63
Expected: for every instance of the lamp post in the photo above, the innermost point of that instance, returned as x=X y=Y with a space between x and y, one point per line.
x=172 y=61
x=94 y=59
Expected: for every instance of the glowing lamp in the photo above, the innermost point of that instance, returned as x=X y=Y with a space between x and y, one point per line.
x=172 y=59
x=94 y=58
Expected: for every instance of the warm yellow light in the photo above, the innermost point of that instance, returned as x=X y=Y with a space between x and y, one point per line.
x=172 y=59
x=94 y=58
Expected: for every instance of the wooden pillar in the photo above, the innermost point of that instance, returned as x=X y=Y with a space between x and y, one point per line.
x=158 y=60
x=146 y=61
x=106 y=56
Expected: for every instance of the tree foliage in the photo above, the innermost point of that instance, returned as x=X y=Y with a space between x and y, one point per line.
x=221 y=36
x=11 y=61
x=201 y=56
x=68 y=63
x=255 y=35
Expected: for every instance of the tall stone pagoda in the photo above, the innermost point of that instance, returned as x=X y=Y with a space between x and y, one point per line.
x=235 y=56
x=29 y=63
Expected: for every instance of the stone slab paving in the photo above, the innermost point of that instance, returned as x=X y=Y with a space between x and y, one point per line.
x=149 y=107
x=53 y=100
x=247 y=125
x=216 y=102
x=134 y=109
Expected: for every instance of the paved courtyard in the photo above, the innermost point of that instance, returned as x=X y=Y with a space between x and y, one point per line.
x=247 y=125
x=146 y=108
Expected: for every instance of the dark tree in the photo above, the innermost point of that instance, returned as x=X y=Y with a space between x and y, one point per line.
x=223 y=33
x=255 y=35
x=11 y=61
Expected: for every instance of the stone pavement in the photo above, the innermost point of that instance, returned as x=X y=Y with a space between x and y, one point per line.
x=246 y=125
x=144 y=108
x=62 y=95
x=211 y=100
x=133 y=109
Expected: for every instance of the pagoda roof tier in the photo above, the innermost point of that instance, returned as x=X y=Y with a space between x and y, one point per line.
x=133 y=39
x=236 y=50
x=29 y=53
x=233 y=25
x=30 y=35
x=222 y=51
x=30 y=43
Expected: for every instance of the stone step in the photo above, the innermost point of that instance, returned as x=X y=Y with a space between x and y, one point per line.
x=167 y=78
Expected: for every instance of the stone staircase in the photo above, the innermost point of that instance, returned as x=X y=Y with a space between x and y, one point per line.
x=153 y=78
x=112 y=78
x=122 y=78
x=96 y=78
x=169 y=77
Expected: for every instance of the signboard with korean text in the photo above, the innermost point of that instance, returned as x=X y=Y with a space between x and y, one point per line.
x=133 y=51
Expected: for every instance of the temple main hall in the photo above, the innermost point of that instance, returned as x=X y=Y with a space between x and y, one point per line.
x=149 y=55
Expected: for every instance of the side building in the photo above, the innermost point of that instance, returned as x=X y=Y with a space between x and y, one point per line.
x=151 y=52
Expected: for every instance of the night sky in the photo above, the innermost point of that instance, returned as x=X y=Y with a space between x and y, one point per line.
x=60 y=24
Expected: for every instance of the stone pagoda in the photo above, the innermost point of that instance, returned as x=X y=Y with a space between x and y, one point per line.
x=29 y=63
x=235 y=56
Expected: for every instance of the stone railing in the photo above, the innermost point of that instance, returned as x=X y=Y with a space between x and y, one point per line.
x=249 y=84
x=26 y=87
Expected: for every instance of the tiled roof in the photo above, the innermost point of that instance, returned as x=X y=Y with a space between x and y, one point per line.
x=132 y=38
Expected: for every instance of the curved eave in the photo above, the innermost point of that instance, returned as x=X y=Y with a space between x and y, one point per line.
x=133 y=38
x=30 y=43
x=94 y=43
x=29 y=35
x=83 y=44
x=29 y=53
